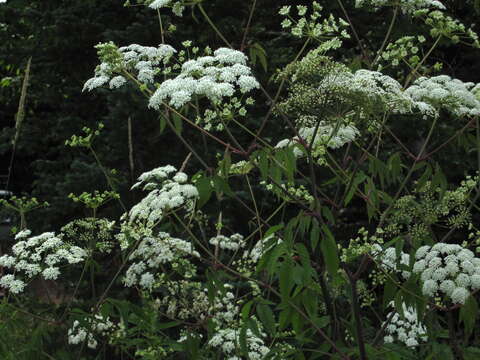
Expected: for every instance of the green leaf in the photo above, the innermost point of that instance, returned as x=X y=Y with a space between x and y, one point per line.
x=221 y=185
x=297 y=275
x=265 y=314
x=329 y=251
x=243 y=338
x=286 y=279
x=471 y=353
x=310 y=302
x=427 y=174
x=372 y=203
x=263 y=164
x=285 y=318
x=297 y=323
x=322 y=322
x=163 y=122
x=177 y=123
x=304 y=258
x=439 y=180
x=328 y=215
x=441 y=351
x=314 y=234
x=167 y=325
x=359 y=178
x=204 y=188
x=246 y=310
x=257 y=51
x=270 y=260
x=468 y=314
x=226 y=163
x=273 y=230
x=290 y=163
x=388 y=292
x=394 y=167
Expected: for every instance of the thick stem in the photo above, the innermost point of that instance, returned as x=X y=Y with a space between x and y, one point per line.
x=109 y=181
x=210 y=22
x=453 y=336
x=130 y=150
x=328 y=303
x=358 y=319
x=244 y=40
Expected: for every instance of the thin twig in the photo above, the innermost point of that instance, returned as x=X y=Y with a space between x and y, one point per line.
x=410 y=76
x=210 y=22
x=19 y=119
x=387 y=36
x=358 y=319
x=365 y=55
x=250 y=16
x=130 y=150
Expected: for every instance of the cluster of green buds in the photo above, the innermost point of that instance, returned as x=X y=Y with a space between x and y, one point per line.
x=22 y=205
x=87 y=139
x=216 y=119
x=442 y=25
x=290 y=192
x=362 y=244
x=473 y=238
x=94 y=200
x=405 y=49
x=328 y=30
x=241 y=168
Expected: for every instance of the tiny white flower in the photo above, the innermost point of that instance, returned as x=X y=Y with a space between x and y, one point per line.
x=447 y=287
x=430 y=287
x=460 y=295
x=51 y=273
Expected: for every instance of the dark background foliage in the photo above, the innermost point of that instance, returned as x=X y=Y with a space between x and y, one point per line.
x=60 y=36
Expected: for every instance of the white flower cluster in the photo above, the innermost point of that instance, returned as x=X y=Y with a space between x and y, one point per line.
x=77 y=334
x=329 y=29
x=407 y=329
x=229 y=341
x=449 y=269
x=177 y=6
x=476 y=91
x=295 y=193
x=167 y=194
x=326 y=136
x=212 y=76
x=41 y=254
x=150 y=254
x=234 y=242
x=373 y=86
x=152 y=178
x=184 y=299
x=407 y=6
x=443 y=92
x=224 y=309
x=261 y=247
x=241 y=167
x=388 y=259
x=136 y=59
x=225 y=312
